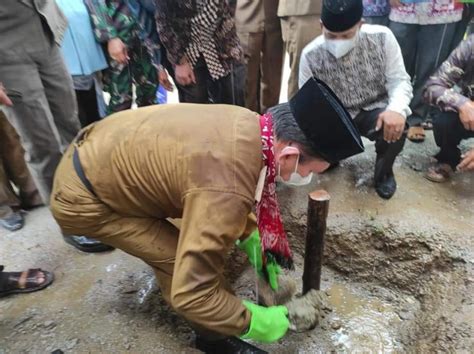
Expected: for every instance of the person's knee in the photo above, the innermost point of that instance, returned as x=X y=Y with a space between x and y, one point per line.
x=446 y=122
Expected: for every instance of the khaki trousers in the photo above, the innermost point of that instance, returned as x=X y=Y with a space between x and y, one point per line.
x=264 y=56
x=79 y=212
x=13 y=169
x=153 y=240
x=297 y=32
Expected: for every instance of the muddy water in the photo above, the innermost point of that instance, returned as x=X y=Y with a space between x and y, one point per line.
x=367 y=325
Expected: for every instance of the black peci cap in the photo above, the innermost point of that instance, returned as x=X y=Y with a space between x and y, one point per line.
x=341 y=15
x=325 y=122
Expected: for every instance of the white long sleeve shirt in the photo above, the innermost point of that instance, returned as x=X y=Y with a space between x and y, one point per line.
x=370 y=76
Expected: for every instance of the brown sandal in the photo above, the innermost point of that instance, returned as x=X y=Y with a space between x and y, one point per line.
x=439 y=173
x=23 y=282
x=416 y=134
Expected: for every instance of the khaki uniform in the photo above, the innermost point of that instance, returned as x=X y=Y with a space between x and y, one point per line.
x=200 y=163
x=13 y=169
x=259 y=30
x=300 y=24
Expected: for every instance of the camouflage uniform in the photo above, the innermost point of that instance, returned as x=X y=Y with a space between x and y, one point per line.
x=114 y=19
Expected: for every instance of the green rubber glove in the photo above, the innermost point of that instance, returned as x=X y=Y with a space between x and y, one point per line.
x=268 y=324
x=253 y=248
x=273 y=270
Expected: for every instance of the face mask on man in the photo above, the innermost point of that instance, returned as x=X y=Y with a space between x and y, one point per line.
x=340 y=47
x=295 y=178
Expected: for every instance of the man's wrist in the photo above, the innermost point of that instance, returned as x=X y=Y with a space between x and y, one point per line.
x=463 y=103
x=403 y=112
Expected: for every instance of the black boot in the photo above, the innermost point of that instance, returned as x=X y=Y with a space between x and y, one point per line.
x=230 y=345
x=386 y=186
x=86 y=244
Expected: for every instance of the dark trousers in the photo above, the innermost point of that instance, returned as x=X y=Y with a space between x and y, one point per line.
x=386 y=152
x=377 y=20
x=424 y=49
x=87 y=106
x=448 y=132
x=228 y=89
x=462 y=26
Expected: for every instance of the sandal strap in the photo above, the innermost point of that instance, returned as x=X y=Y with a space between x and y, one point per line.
x=444 y=170
x=11 y=280
x=32 y=277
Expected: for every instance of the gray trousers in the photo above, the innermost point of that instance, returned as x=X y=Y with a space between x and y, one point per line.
x=424 y=49
x=44 y=111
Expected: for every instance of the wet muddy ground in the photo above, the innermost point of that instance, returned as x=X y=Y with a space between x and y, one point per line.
x=399 y=274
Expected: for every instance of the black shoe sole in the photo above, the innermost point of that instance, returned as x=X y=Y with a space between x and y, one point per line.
x=230 y=345
x=88 y=249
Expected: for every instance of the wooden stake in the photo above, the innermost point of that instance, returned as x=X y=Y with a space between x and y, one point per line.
x=318 y=207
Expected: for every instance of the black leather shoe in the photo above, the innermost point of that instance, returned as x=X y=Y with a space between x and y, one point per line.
x=13 y=222
x=386 y=187
x=230 y=345
x=86 y=244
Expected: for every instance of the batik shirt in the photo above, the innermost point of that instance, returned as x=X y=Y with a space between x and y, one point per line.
x=453 y=84
x=128 y=20
x=428 y=12
x=376 y=8
x=190 y=29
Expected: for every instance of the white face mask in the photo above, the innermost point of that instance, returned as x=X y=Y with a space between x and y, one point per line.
x=340 y=47
x=295 y=178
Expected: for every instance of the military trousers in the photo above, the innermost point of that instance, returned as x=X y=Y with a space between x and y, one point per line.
x=120 y=79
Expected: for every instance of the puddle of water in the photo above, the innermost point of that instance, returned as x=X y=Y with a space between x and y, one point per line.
x=367 y=325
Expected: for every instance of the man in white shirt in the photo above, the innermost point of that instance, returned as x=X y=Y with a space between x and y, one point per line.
x=363 y=65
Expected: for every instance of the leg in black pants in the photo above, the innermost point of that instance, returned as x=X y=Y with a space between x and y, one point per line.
x=385 y=183
x=227 y=90
x=87 y=106
x=448 y=132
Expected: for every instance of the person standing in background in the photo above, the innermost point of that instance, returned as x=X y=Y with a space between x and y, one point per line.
x=43 y=109
x=133 y=57
x=202 y=49
x=300 y=24
x=259 y=31
x=11 y=151
x=84 y=59
x=425 y=32
x=13 y=170
x=376 y=12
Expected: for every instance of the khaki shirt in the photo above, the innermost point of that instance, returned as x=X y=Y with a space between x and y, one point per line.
x=256 y=16
x=299 y=7
x=200 y=163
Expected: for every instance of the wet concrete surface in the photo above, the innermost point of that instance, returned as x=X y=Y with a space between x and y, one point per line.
x=399 y=274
